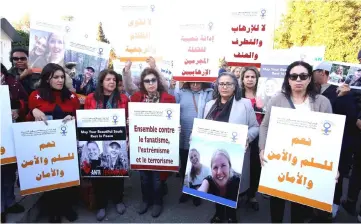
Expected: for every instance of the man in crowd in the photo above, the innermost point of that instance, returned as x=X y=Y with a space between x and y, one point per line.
x=355 y=80
x=343 y=103
x=21 y=71
x=84 y=84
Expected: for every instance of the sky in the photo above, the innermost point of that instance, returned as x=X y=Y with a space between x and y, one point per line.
x=89 y=13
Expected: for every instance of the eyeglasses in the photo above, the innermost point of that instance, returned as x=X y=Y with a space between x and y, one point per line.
x=302 y=76
x=149 y=81
x=227 y=85
x=21 y=58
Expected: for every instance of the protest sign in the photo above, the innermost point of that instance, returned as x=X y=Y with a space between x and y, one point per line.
x=102 y=143
x=87 y=54
x=154 y=136
x=274 y=66
x=345 y=73
x=6 y=137
x=47 y=42
x=142 y=34
x=196 y=42
x=46 y=155
x=302 y=153
x=216 y=148
x=248 y=32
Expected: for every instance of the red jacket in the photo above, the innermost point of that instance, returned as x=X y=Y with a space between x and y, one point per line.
x=58 y=108
x=164 y=97
x=90 y=103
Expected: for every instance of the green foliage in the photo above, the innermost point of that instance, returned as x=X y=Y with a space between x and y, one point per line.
x=334 y=24
x=101 y=36
x=25 y=37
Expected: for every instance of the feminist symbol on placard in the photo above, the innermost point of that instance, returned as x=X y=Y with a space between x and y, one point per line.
x=100 y=51
x=172 y=64
x=115 y=119
x=67 y=29
x=152 y=7
x=63 y=130
x=169 y=114
x=140 y=66
x=210 y=25
x=263 y=13
x=327 y=127
x=234 y=136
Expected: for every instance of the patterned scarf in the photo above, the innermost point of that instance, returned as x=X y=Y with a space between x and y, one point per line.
x=108 y=104
x=151 y=98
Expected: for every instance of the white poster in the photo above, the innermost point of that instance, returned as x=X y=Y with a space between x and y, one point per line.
x=102 y=143
x=154 y=136
x=216 y=151
x=6 y=138
x=302 y=153
x=46 y=155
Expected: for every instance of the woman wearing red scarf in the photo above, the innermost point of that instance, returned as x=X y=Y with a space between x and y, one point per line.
x=151 y=91
x=107 y=96
x=53 y=101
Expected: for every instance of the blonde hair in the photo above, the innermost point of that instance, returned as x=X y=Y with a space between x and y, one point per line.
x=193 y=173
x=224 y=153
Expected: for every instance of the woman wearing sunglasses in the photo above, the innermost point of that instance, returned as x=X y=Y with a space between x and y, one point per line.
x=151 y=91
x=298 y=92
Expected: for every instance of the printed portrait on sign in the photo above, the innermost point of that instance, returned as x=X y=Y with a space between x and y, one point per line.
x=103 y=158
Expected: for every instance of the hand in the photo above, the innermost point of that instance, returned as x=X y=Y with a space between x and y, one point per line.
x=2 y=77
x=343 y=90
x=39 y=115
x=172 y=84
x=338 y=175
x=261 y=157
x=128 y=65
x=358 y=123
x=14 y=114
x=68 y=118
x=27 y=72
x=151 y=62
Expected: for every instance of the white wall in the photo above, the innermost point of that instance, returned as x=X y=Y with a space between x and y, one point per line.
x=5 y=45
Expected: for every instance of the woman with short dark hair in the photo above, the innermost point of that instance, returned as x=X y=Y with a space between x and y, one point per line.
x=229 y=106
x=107 y=96
x=151 y=91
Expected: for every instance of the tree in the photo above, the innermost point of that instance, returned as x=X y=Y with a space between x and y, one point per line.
x=23 y=24
x=334 y=24
x=101 y=36
x=25 y=40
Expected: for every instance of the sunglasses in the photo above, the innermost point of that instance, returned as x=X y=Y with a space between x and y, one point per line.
x=21 y=58
x=302 y=76
x=148 y=81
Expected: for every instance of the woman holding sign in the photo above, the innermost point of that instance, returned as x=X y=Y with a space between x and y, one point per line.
x=151 y=91
x=229 y=106
x=298 y=92
x=52 y=101
x=107 y=96
x=192 y=98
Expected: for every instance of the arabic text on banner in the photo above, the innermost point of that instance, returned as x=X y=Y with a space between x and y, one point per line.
x=46 y=155
x=154 y=136
x=102 y=143
x=6 y=138
x=302 y=152
x=248 y=32
x=196 y=41
x=218 y=148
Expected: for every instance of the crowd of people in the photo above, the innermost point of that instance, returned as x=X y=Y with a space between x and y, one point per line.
x=231 y=98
